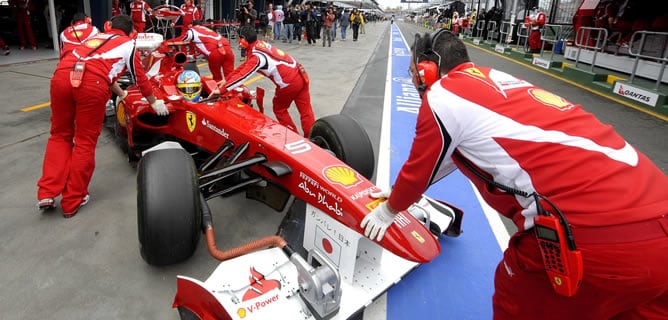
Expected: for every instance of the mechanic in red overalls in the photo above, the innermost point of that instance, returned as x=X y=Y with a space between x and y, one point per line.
x=115 y=8
x=191 y=13
x=23 y=10
x=80 y=88
x=503 y=132
x=535 y=21
x=80 y=30
x=139 y=10
x=215 y=47
x=288 y=75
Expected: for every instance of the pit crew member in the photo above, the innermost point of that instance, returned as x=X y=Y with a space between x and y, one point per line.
x=80 y=88
x=215 y=47
x=191 y=13
x=80 y=30
x=504 y=133
x=535 y=21
x=139 y=10
x=288 y=75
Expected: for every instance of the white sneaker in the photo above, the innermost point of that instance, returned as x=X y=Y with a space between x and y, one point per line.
x=46 y=204
x=83 y=203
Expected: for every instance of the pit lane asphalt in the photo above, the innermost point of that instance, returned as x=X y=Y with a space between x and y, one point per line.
x=89 y=266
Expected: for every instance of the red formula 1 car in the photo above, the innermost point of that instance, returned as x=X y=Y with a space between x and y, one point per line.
x=222 y=145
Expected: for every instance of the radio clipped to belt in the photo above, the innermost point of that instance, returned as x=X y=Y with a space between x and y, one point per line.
x=76 y=74
x=562 y=260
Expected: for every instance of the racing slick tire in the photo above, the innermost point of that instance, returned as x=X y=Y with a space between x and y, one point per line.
x=349 y=142
x=168 y=206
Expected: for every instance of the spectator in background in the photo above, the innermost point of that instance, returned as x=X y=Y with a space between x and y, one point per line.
x=289 y=24
x=279 y=17
x=309 y=20
x=345 y=22
x=23 y=10
x=246 y=17
x=270 y=22
x=139 y=11
x=356 y=20
x=327 y=23
x=337 y=21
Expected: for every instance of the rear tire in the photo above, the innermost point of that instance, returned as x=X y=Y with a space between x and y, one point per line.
x=349 y=142
x=168 y=206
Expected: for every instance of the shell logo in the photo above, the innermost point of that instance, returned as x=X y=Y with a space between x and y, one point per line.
x=77 y=34
x=342 y=175
x=120 y=114
x=241 y=313
x=93 y=43
x=280 y=52
x=550 y=99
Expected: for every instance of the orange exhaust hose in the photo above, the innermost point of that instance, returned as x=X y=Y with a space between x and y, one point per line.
x=249 y=247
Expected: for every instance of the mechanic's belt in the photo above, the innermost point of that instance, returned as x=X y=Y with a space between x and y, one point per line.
x=622 y=233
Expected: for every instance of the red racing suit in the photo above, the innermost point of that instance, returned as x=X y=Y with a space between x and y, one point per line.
x=526 y=138
x=215 y=47
x=23 y=9
x=287 y=74
x=77 y=113
x=190 y=13
x=74 y=35
x=535 y=22
x=138 y=11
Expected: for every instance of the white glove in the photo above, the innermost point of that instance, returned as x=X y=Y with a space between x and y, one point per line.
x=384 y=194
x=377 y=222
x=123 y=96
x=160 y=108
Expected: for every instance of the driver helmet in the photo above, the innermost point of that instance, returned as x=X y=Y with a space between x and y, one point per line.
x=189 y=85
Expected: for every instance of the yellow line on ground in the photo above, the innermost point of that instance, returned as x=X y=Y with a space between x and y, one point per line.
x=37 y=106
x=573 y=83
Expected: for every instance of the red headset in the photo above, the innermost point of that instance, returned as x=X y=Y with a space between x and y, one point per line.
x=107 y=28
x=428 y=69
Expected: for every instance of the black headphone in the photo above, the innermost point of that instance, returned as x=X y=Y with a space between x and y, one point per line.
x=428 y=70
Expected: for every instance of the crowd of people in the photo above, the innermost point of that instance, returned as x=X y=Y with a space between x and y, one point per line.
x=624 y=17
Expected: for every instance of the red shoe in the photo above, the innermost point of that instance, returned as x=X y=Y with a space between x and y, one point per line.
x=83 y=203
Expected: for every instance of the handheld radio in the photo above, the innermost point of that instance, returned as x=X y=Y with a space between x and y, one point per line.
x=562 y=260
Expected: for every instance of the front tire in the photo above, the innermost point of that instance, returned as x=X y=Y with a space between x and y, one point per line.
x=168 y=206
x=349 y=142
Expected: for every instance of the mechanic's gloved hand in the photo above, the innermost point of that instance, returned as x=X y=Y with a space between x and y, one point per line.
x=123 y=96
x=382 y=194
x=160 y=108
x=377 y=222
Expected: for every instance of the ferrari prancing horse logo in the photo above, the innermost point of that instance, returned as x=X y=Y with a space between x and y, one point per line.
x=191 y=120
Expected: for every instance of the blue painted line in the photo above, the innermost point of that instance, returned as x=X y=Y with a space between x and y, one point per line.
x=459 y=283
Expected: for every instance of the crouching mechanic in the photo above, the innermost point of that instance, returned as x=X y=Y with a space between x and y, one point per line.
x=530 y=152
x=215 y=47
x=80 y=88
x=288 y=75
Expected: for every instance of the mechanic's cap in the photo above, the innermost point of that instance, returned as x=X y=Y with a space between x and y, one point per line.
x=189 y=85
